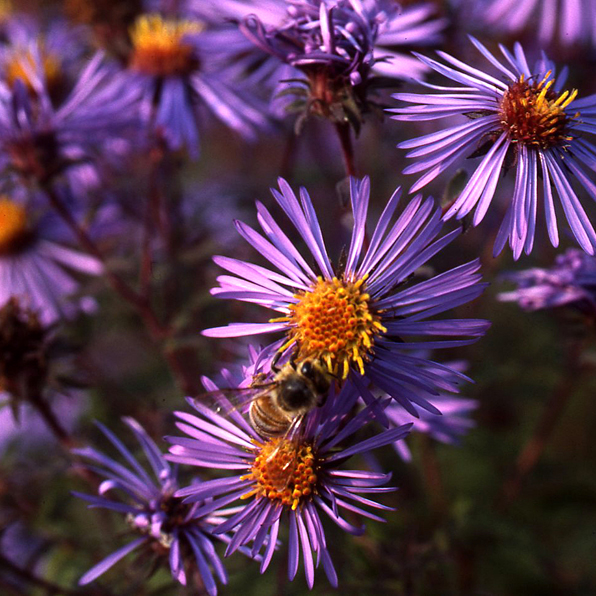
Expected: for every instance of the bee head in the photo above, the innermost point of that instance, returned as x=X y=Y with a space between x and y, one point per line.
x=316 y=375
x=296 y=394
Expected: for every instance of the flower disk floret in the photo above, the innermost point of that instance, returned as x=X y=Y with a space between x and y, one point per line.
x=362 y=322
x=521 y=118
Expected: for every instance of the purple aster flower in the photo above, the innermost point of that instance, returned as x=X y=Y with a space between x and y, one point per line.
x=300 y=478
x=167 y=526
x=567 y=21
x=363 y=321
x=174 y=64
x=520 y=119
x=454 y=421
x=339 y=46
x=40 y=143
x=59 y=48
x=36 y=269
x=570 y=281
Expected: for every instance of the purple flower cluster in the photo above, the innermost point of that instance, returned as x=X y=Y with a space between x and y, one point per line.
x=571 y=281
x=357 y=297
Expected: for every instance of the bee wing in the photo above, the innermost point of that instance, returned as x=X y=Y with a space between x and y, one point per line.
x=227 y=401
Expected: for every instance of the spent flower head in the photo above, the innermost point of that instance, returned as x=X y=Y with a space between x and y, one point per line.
x=367 y=319
x=166 y=527
x=337 y=49
x=520 y=119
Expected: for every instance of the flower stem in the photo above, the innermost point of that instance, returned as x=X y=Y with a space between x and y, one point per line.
x=553 y=410
x=30 y=578
x=158 y=331
x=46 y=412
x=347 y=148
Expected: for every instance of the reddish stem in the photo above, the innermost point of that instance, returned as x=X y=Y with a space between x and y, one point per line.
x=158 y=331
x=553 y=410
x=347 y=148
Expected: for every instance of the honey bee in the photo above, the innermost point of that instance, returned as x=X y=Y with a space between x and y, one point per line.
x=277 y=407
x=297 y=388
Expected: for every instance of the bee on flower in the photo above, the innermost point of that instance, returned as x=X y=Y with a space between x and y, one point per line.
x=300 y=478
x=366 y=320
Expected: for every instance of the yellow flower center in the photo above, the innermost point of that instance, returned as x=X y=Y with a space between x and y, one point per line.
x=160 y=48
x=18 y=68
x=283 y=471
x=333 y=322
x=5 y=9
x=533 y=114
x=13 y=226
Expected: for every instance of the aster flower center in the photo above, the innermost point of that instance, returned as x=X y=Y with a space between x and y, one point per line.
x=161 y=523
x=533 y=114
x=36 y=155
x=334 y=323
x=160 y=48
x=13 y=226
x=283 y=471
x=20 y=66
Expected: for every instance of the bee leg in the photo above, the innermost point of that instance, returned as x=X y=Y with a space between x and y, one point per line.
x=321 y=400
x=274 y=367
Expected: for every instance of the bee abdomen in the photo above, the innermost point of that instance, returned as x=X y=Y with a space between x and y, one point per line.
x=264 y=420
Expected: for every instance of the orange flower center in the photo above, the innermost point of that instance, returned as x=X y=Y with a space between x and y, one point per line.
x=19 y=68
x=160 y=48
x=283 y=471
x=533 y=114
x=13 y=226
x=333 y=322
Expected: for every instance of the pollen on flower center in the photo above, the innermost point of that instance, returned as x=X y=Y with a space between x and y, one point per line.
x=284 y=471
x=160 y=48
x=13 y=226
x=19 y=68
x=533 y=114
x=334 y=323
